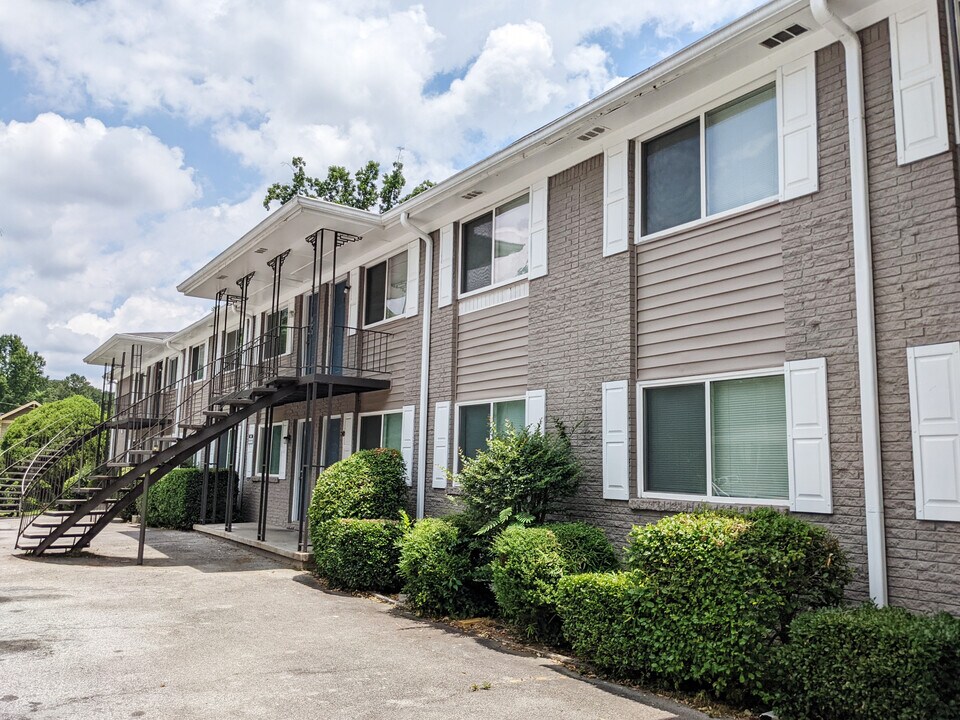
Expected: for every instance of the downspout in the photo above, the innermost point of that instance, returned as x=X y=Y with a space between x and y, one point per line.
x=863 y=274
x=424 y=360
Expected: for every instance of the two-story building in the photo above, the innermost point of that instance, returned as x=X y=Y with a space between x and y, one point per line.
x=737 y=274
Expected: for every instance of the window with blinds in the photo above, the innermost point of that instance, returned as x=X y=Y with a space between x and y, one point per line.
x=724 y=438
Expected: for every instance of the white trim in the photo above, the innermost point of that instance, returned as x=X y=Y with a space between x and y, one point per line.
x=458 y=274
x=536 y=410
x=490 y=297
x=615 y=439
x=708 y=497
x=808 y=436
x=797 y=138
x=537 y=246
x=616 y=195
x=353 y=301
x=372 y=413
x=710 y=220
x=678 y=121
x=441 y=444
x=347 y=442
x=406 y=440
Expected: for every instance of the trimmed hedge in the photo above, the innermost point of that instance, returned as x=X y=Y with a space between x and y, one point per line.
x=368 y=485
x=709 y=594
x=443 y=565
x=360 y=554
x=174 y=500
x=867 y=663
x=529 y=562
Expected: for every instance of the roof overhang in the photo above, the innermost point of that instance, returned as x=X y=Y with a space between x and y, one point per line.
x=285 y=229
x=114 y=348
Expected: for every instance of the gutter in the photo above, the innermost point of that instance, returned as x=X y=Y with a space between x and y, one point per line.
x=863 y=273
x=424 y=360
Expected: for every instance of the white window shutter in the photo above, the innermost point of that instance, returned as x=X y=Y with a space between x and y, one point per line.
x=935 y=419
x=283 y=450
x=346 y=427
x=445 y=289
x=919 y=97
x=616 y=441
x=441 y=444
x=353 y=302
x=536 y=409
x=808 y=436
x=406 y=440
x=413 y=278
x=615 y=208
x=797 y=124
x=538 y=229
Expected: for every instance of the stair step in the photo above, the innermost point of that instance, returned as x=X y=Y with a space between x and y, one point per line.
x=192 y=426
x=216 y=413
x=169 y=438
x=35 y=536
x=79 y=523
x=260 y=391
x=239 y=401
x=142 y=452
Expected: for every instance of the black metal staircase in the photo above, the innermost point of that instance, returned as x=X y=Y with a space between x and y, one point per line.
x=73 y=489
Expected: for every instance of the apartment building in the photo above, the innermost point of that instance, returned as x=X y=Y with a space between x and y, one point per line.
x=737 y=274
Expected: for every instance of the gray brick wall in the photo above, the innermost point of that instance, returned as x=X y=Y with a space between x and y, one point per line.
x=916 y=258
x=581 y=330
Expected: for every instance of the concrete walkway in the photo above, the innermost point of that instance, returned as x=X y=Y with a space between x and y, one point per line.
x=210 y=630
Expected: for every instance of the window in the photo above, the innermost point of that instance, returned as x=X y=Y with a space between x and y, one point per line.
x=276 y=337
x=724 y=438
x=494 y=246
x=478 y=421
x=230 y=347
x=173 y=370
x=381 y=431
x=386 y=288
x=724 y=159
x=197 y=358
x=274 y=434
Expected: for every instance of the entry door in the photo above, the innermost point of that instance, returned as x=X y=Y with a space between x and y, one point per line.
x=302 y=456
x=331 y=449
x=339 y=327
x=310 y=358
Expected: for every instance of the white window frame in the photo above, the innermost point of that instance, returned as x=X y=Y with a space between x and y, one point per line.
x=677 y=122
x=381 y=413
x=705 y=380
x=203 y=366
x=223 y=349
x=472 y=403
x=281 y=474
x=460 y=240
x=363 y=305
x=287 y=347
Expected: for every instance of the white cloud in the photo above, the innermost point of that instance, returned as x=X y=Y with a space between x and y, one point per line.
x=98 y=223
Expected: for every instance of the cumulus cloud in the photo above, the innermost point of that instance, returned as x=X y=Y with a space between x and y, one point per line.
x=101 y=220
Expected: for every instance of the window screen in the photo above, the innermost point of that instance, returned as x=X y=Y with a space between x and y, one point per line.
x=749 y=438
x=741 y=151
x=474 y=428
x=376 y=285
x=392 y=430
x=675 y=439
x=512 y=412
x=511 y=233
x=371 y=427
x=476 y=253
x=671 y=178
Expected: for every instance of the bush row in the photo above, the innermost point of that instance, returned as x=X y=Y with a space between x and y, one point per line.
x=173 y=501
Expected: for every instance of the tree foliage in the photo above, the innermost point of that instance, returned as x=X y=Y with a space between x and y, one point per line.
x=21 y=373
x=72 y=384
x=28 y=433
x=360 y=190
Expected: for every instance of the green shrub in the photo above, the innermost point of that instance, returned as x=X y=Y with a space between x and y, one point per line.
x=360 y=554
x=529 y=562
x=28 y=433
x=522 y=475
x=368 y=485
x=865 y=663
x=584 y=547
x=710 y=594
x=443 y=565
x=174 y=500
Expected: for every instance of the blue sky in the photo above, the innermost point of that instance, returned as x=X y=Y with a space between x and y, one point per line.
x=136 y=146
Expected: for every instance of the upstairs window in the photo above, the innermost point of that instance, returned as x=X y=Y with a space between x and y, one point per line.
x=724 y=159
x=230 y=347
x=197 y=359
x=276 y=337
x=494 y=246
x=386 y=289
x=381 y=431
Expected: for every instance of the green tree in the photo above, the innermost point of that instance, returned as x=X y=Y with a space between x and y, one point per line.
x=72 y=384
x=21 y=373
x=360 y=190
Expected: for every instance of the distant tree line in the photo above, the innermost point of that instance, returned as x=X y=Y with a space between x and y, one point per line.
x=22 y=378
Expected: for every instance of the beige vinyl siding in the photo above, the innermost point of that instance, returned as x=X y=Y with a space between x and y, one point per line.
x=711 y=299
x=402 y=364
x=492 y=352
